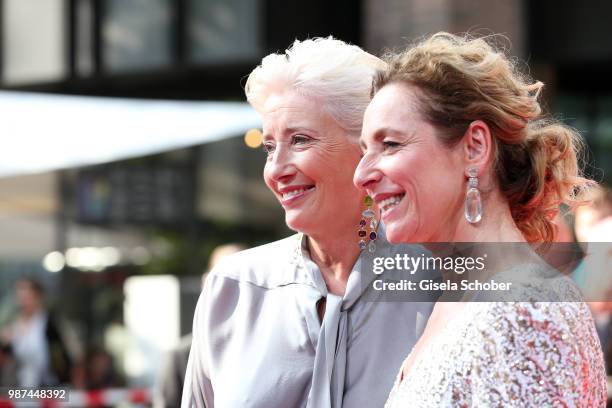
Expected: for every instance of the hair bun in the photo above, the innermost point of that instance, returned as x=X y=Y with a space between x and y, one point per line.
x=554 y=151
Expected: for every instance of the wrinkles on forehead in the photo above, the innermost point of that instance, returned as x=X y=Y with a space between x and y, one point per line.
x=290 y=112
x=392 y=112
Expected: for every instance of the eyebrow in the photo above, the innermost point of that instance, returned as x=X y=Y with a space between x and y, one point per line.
x=290 y=130
x=380 y=134
x=300 y=129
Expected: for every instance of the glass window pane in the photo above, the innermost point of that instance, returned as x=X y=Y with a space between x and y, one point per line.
x=592 y=118
x=223 y=30
x=136 y=34
x=84 y=38
x=572 y=109
x=34 y=41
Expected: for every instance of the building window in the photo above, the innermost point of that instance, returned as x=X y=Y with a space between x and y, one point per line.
x=34 y=41
x=223 y=30
x=136 y=35
x=591 y=116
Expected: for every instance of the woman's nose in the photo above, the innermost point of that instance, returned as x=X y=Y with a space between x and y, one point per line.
x=280 y=167
x=366 y=174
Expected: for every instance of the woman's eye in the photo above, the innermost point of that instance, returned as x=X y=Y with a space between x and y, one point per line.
x=300 y=139
x=268 y=148
x=388 y=144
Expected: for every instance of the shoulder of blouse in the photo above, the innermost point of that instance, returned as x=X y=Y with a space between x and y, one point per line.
x=271 y=265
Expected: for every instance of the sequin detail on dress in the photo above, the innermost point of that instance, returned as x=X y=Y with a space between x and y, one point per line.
x=509 y=354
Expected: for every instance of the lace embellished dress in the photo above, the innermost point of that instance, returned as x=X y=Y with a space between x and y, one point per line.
x=509 y=354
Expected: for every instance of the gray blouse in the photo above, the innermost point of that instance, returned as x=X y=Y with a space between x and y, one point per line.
x=258 y=340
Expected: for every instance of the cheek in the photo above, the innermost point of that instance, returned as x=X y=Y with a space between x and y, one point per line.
x=266 y=177
x=408 y=170
x=314 y=166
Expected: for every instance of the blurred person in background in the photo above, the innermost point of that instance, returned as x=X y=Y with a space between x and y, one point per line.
x=565 y=254
x=36 y=340
x=101 y=372
x=594 y=221
x=169 y=389
x=8 y=366
x=285 y=324
x=594 y=224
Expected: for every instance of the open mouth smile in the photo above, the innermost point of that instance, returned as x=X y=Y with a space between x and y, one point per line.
x=289 y=195
x=390 y=202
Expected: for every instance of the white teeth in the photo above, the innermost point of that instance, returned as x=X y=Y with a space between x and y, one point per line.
x=293 y=193
x=387 y=203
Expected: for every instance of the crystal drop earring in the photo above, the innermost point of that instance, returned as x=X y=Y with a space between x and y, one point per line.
x=473 y=201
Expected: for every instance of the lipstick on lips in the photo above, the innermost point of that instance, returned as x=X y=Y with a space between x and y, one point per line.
x=291 y=194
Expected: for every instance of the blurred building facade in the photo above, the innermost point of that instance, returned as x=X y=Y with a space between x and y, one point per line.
x=203 y=49
x=565 y=44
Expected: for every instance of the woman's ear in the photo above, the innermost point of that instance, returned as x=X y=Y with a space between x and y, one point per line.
x=477 y=146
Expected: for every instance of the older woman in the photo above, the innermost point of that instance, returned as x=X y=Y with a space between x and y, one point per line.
x=285 y=324
x=456 y=150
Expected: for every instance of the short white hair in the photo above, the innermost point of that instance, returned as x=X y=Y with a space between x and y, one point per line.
x=338 y=73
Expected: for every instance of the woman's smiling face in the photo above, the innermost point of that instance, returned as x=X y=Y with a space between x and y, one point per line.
x=417 y=182
x=310 y=164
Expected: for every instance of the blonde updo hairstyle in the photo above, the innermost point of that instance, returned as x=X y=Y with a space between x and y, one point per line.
x=460 y=79
x=337 y=74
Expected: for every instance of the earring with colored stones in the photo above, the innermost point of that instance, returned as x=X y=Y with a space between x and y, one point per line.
x=368 y=227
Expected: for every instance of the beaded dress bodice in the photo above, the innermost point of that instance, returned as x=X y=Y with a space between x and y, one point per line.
x=509 y=354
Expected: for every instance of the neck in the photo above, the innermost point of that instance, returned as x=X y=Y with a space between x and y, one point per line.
x=497 y=224
x=335 y=253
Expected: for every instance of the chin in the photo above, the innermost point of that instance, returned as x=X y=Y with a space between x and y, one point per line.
x=292 y=225
x=399 y=234
x=307 y=225
x=296 y=223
